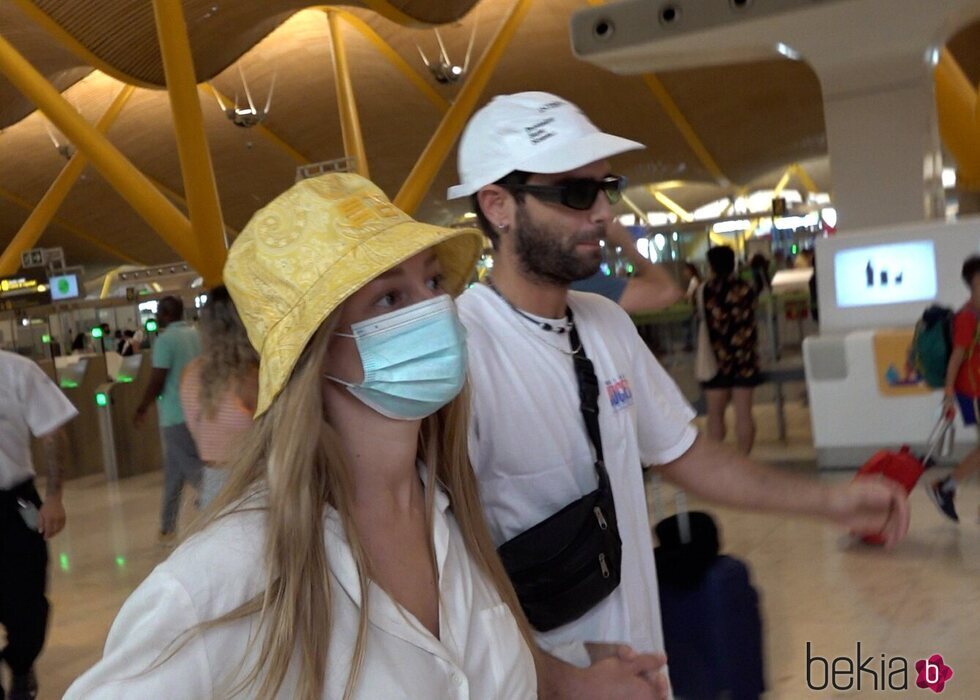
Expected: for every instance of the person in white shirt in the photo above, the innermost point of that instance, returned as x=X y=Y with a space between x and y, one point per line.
x=347 y=556
x=30 y=404
x=537 y=173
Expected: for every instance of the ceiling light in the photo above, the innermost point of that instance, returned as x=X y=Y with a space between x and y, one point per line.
x=949 y=178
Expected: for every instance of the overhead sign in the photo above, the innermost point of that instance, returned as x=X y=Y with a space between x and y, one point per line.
x=42 y=257
x=32 y=258
x=20 y=291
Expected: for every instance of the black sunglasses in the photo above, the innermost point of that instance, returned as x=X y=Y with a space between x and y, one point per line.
x=577 y=194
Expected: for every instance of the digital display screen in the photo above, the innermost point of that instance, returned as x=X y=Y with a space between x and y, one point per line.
x=64 y=287
x=892 y=273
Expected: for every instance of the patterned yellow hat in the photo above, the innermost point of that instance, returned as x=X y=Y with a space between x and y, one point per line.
x=312 y=247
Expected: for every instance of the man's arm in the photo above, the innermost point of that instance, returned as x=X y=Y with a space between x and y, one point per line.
x=865 y=506
x=157 y=379
x=651 y=287
x=52 y=514
x=622 y=675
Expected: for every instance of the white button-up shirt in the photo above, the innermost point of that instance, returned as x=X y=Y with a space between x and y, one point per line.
x=30 y=404
x=479 y=653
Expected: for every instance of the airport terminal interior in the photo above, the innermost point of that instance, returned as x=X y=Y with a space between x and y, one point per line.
x=834 y=145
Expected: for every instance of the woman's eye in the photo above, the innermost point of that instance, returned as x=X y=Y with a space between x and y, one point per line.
x=435 y=283
x=389 y=299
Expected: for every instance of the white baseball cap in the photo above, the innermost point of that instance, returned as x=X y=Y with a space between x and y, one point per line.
x=536 y=132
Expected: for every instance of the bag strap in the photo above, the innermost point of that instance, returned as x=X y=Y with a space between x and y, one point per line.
x=588 y=391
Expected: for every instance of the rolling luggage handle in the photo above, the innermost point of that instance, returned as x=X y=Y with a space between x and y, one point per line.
x=941 y=438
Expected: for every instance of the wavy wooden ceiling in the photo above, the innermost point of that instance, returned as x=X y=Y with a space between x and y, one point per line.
x=753 y=118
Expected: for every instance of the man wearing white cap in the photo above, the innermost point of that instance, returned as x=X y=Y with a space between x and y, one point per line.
x=542 y=187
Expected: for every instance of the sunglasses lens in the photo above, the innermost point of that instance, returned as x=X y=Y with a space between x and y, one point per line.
x=581 y=194
x=613 y=187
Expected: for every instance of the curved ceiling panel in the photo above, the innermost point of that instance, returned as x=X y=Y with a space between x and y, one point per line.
x=50 y=58
x=753 y=119
x=121 y=35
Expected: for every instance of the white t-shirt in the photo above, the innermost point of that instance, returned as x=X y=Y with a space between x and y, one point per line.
x=479 y=654
x=532 y=455
x=30 y=403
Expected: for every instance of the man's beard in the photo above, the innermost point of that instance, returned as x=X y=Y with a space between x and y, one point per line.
x=547 y=255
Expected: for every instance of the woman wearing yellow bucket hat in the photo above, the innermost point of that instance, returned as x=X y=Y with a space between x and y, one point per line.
x=347 y=555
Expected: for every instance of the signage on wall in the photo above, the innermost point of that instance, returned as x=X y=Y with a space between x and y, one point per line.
x=21 y=291
x=892 y=273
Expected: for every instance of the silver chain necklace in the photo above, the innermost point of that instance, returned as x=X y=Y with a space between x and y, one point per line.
x=540 y=324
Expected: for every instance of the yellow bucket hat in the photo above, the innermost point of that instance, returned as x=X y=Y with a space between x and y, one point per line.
x=313 y=246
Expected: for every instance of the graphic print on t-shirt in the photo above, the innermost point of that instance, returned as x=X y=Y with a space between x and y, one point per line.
x=619 y=393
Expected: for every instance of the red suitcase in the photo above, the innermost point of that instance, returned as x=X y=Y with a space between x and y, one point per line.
x=903 y=466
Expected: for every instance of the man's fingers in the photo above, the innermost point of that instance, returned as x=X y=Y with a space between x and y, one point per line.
x=644 y=663
x=626 y=652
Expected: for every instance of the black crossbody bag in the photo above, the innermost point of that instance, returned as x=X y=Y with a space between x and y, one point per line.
x=566 y=564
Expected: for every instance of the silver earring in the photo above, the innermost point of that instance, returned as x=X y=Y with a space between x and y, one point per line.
x=503 y=226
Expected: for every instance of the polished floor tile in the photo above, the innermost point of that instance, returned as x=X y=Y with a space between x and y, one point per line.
x=816 y=584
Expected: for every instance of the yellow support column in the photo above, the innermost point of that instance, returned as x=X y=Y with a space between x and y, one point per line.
x=46 y=209
x=420 y=179
x=350 y=122
x=129 y=182
x=671 y=205
x=783 y=181
x=635 y=209
x=959 y=120
x=804 y=177
x=192 y=145
x=394 y=58
x=19 y=201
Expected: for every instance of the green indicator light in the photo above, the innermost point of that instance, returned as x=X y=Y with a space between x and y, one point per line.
x=151 y=326
x=97 y=332
x=629 y=268
x=68 y=384
x=124 y=379
x=101 y=399
x=45 y=338
x=63 y=561
x=794 y=249
x=121 y=562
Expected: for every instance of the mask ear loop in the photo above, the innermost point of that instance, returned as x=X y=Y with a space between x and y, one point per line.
x=338 y=380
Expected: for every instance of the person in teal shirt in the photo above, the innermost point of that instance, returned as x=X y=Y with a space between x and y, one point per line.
x=177 y=345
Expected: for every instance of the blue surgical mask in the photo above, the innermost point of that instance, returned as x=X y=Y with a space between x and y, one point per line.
x=414 y=359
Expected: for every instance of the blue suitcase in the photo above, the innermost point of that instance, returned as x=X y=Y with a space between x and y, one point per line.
x=710 y=611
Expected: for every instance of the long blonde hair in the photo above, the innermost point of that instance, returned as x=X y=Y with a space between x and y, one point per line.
x=294 y=458
x=228 y=358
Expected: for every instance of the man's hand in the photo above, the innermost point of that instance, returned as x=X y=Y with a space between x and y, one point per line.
x=51 y=517
x=140 y=415
x=872 y=506
x=618 y=672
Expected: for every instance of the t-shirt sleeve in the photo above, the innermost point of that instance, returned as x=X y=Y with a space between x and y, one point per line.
x=964 y=329
x=46 y=407
x=163 y=352
x=664 y=416
x=135 y=664
x=605 y=285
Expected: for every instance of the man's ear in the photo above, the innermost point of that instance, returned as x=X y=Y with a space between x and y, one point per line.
x=497 y=205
